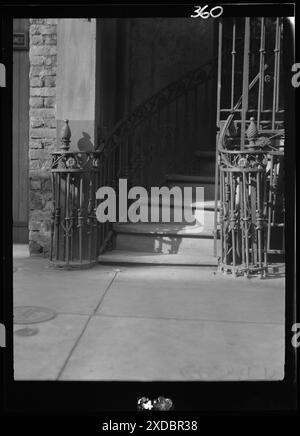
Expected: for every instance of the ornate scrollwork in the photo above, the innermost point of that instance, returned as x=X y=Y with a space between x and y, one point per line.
x=247 y=186
x=243 y=159
x=75 y=160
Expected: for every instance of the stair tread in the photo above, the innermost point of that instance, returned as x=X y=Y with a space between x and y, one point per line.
x=164 y=229
x=210 y=205
x=207 y=204
x=122 y=256
x=190 y=179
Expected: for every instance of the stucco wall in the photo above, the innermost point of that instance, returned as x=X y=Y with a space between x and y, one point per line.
x=76 y=74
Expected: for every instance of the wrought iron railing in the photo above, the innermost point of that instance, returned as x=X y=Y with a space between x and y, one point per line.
x=249 y=207
x=158 y=137
x=75 y=231
x=157 y=126
x=249 y=174
x=155 y=138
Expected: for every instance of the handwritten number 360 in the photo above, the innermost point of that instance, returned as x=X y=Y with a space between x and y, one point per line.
x=200 y=12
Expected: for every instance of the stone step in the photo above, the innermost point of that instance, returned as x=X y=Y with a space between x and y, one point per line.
x=210 y=205
x=165 y=242
x=161 y=213
x=207 y=205
x=194 y=230
x=201 y=218
x=121 y=257
x=190 y=180
x=169 y=243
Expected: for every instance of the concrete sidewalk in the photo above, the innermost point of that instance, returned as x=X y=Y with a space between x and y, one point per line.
x=148 y=323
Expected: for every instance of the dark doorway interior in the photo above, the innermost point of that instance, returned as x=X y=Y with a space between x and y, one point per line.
x=20 y=130
x=151 y=72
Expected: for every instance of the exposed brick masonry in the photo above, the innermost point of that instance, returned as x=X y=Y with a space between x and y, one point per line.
x=42 y=134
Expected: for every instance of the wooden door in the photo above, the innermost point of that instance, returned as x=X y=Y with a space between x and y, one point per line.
x=20 y=132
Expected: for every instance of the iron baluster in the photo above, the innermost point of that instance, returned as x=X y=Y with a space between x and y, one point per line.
x=217 y=170
x=270 y=201
x=246 y=218
x=102 y=183
x=233 y=53
x=57 y=219
x=95 y=222
x=262 y=51
x=80 y=217
x=232 y=222
x=259 y=219
x=276 y=77
x=52 y=215
x=278 y=66
x=90 y=218
x=221 y=221
x=253 y=199
x=226 y=214
x=67 y=220
x=241 y=202
x=274 y=189
x=245 y=80
x=72 y=217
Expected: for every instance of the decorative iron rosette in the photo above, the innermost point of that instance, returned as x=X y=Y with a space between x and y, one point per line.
x=243 y=162
x=71 y=163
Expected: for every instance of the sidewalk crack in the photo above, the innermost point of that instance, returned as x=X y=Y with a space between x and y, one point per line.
x=85 y=327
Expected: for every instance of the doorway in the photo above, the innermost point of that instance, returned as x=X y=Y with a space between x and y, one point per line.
x=20 y=130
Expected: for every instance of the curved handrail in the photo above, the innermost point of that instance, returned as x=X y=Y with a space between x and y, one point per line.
x=227 y=123
x=157 y=101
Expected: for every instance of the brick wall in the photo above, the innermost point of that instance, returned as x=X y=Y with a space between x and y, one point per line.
x=42 y=134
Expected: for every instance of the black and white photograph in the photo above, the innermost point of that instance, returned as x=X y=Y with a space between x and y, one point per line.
x=151 y=196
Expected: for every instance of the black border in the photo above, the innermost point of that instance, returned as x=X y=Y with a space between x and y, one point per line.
x=95 y=398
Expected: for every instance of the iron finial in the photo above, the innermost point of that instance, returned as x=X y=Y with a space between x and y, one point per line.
x=65 y=135
x=252 y=132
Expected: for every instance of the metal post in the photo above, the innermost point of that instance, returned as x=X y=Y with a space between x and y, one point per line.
x=262 y=51
x=276 y=77
x=233 y=53
x=217 y=139
x=245 y=80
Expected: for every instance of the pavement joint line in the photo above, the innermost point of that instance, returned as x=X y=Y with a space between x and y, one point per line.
x=187 y=319
x=84 y=328
x=73 y=313
x=99 y=314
